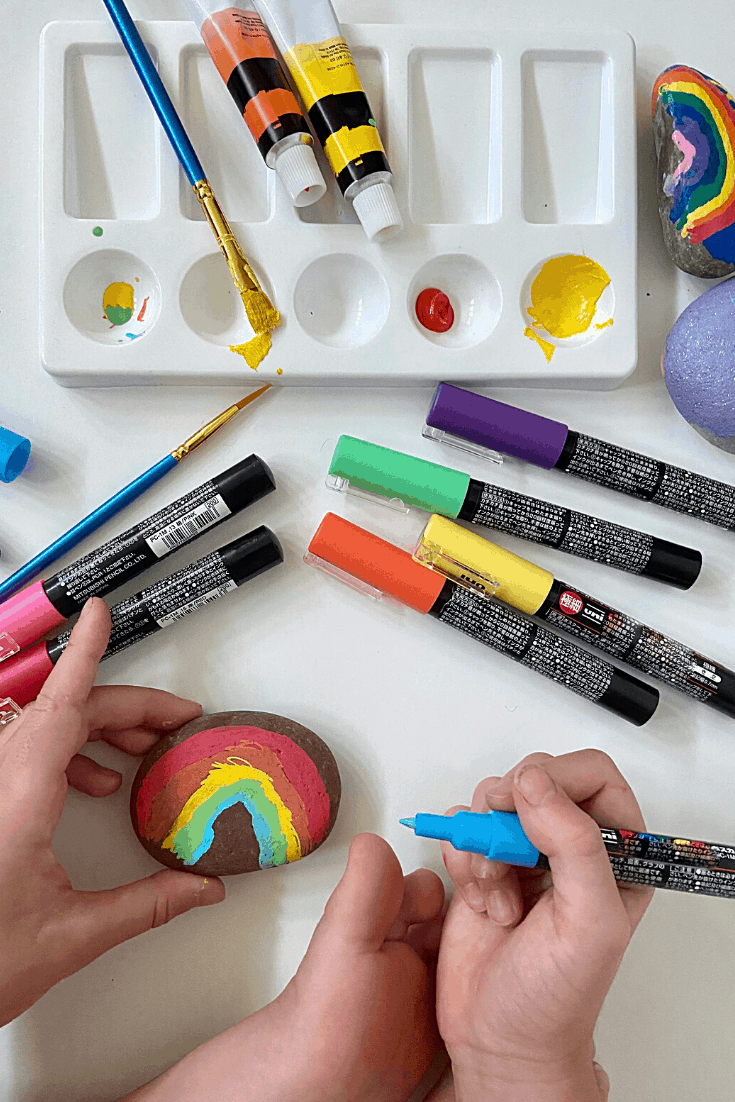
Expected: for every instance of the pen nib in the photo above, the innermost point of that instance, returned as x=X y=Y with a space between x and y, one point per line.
x=409 y=823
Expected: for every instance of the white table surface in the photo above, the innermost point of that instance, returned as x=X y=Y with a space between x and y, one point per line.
x=415 y=715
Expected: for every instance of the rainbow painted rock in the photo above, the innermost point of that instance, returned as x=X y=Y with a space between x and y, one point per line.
x=694 y=131
x=699 y=365
x=235 y=792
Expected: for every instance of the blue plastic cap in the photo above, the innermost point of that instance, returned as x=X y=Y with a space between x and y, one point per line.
x=14 y=452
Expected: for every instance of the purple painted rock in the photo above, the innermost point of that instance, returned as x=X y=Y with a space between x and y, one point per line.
x=694 y=132
x=699 y=365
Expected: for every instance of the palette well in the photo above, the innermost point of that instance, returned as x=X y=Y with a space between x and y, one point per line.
x=511 y=145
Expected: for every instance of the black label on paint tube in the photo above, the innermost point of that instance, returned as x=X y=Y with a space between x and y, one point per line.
x=162 y=604
x=631 y=641
x=129 y=554
x=640 y=476
x=663 y=848
x=496 y=626
x=575 y=533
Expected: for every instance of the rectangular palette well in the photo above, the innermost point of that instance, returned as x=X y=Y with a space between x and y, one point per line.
x=510 y=145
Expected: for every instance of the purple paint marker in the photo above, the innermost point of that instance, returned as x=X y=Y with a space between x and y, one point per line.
x=480 y=425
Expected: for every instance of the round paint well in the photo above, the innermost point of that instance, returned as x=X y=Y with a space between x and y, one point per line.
x=209 y=302
x=341 y=300
x=602 y=317
x=85 y=298
x=474 y=294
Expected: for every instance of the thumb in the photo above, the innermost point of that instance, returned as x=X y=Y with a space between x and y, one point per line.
x=603 y=1081
x=367 y=900
x=100 y=920
x=581 y=873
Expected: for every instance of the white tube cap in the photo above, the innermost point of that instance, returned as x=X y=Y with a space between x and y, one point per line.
x=299 y=173
x=377 y=209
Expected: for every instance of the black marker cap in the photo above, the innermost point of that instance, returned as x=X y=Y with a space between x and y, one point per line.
x=673 y=564
x=246 y=482
x=249 y=556
x=630 y=698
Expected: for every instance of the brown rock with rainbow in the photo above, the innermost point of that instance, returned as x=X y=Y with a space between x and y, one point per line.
x=235 y=792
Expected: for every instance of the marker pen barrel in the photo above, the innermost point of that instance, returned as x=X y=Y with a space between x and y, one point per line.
x=652 y=860
x=494 y=425
x=471 y=560
x=42 y=606
x=154 y=608
x=369 y=469
x=375 y=566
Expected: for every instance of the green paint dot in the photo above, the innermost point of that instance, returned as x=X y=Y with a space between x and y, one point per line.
x=118 y=315
x=372 y=122
x=98 y=231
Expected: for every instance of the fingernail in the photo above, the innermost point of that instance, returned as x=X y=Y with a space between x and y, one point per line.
x=500 y=908
x=534 y=783
x=211 y=891
x=480 y=866
x=474 y=898
x=601 y=1076
x=491 y=786
x=86 y=610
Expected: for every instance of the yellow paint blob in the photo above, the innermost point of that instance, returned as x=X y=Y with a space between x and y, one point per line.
x=604 y=324
x=565 y=293
x=546 y=346
x=255 y=350
x=117 y=303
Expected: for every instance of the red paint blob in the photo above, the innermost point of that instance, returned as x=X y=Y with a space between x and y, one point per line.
x=434 y=310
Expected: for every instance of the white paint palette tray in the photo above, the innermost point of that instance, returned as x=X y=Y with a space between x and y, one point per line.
x=509 y=144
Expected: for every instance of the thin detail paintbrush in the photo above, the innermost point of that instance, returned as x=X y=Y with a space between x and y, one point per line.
x=261 y=313
x=122 y=498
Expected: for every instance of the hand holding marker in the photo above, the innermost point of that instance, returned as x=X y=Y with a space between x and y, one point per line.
x=42 y=606
x=123 y=497
x=371 y=470
x=378 y=568
x=458 y=416
x=482 y=566
x=651 y=860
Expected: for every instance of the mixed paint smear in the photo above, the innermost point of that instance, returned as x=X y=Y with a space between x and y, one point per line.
x=702 y=186
x=188 y=788
x=118 y=303
x=564 y=298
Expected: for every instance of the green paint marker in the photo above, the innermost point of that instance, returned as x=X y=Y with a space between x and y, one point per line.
x=402 y=481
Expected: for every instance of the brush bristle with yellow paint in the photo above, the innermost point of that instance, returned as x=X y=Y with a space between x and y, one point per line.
x=261 y=314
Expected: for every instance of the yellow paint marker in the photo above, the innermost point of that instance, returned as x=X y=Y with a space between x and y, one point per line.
x=477 y=564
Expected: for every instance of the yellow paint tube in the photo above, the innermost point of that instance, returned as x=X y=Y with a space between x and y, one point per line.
x=321 y=66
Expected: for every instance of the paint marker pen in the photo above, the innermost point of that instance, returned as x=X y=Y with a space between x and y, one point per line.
x=308 y=34
x=463 y=416
x=369 y=470
x=379 y=569
x=241 y=48
x=154 y=608
x=653 y=860
x=42 y=606
x=482 y=566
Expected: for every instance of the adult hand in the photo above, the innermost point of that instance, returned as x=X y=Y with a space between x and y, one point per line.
x=47 y=929
x=357 y=1022
x=527 y=958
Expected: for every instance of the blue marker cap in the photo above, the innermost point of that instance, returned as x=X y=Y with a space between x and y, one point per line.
x=497 y=835
x=14 y=452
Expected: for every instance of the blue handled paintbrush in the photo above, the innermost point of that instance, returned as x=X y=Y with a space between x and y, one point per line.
x=119 y=500
x=261 y=313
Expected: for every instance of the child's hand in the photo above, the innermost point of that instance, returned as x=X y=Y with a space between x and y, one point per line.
x=357 y=1022
x=48 y=930
x=526 y=960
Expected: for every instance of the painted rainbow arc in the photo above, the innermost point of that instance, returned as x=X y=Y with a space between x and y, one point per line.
x=268 y=773
x=702 y=187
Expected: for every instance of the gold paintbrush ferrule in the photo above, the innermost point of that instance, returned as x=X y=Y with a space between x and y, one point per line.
x=242 y=274
x=204 y=433
x=211 y=427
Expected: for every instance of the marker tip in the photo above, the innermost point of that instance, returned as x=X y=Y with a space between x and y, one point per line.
x=409 y=823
